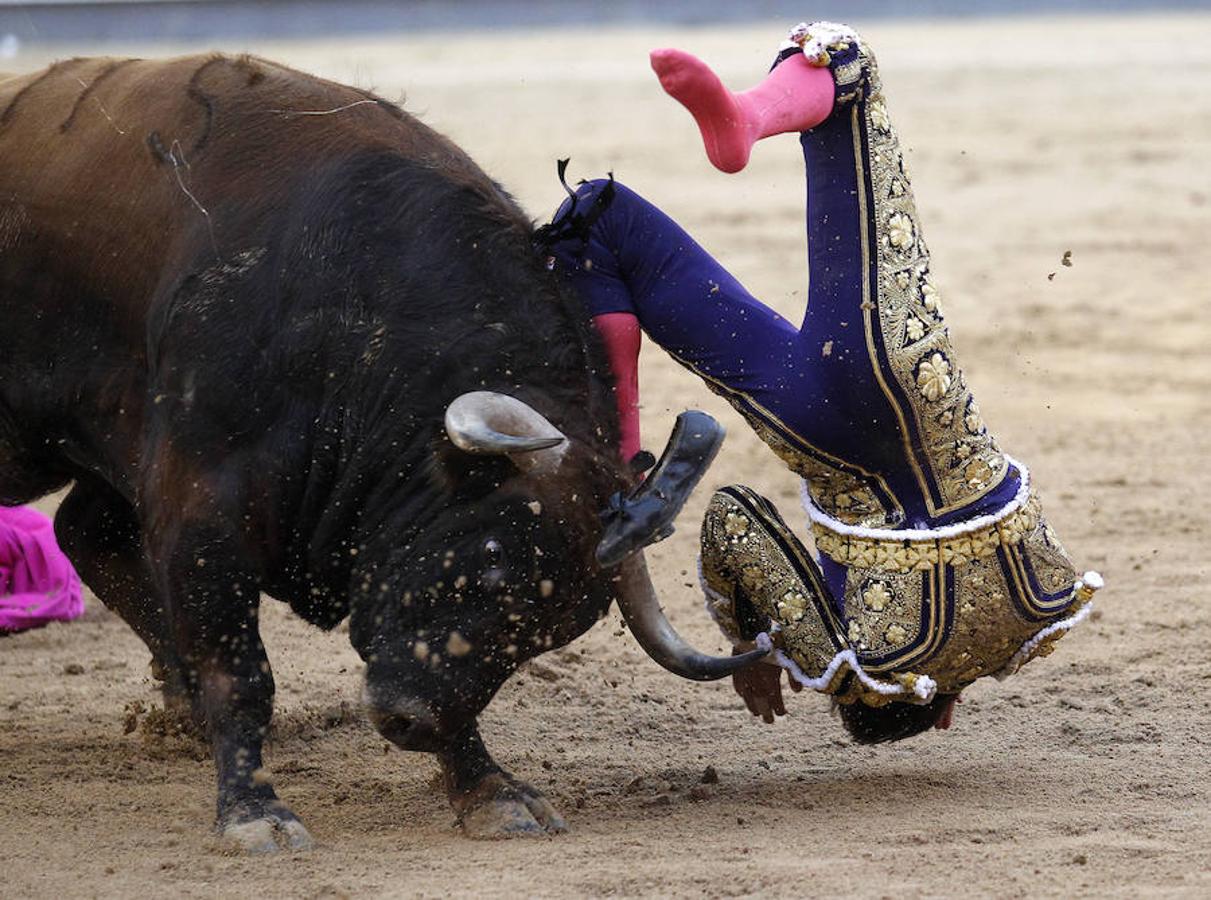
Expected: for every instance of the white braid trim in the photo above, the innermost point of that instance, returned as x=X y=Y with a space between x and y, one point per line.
x=1020 y=658
x=924 y=689
x=819 y=517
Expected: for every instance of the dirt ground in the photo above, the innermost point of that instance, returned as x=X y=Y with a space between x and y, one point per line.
x=1086 y=775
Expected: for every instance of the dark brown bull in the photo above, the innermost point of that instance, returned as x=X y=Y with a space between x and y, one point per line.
x=281 y=337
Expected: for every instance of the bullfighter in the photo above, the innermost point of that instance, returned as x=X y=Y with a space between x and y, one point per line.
x=934 y=565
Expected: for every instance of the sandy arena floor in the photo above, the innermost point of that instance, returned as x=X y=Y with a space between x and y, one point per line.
x=1084 y=776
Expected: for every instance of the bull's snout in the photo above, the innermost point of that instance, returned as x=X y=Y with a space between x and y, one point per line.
x=406 y=722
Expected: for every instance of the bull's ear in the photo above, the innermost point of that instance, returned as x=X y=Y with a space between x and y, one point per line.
x=486 y=422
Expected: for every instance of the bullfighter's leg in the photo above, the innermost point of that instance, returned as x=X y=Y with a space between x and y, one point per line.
x=633 y=259
x=489 y=801
x=99 y=531
x=212 y=597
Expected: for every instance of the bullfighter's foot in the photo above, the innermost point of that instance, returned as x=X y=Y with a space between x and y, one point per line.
x=796 y=96
x=264 y=828
x=501 y=806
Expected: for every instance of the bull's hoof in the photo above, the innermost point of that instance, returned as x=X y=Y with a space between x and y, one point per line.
x=270 y=832
x=503 y=807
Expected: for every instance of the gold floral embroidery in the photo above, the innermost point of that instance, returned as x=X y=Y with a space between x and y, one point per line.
x=930 y=298
x=876 y=597
x=978 y=472
x=909 y=554
x=735 y=524
x=933 y=377
x=878 y=115
x=895 y=617
x=973 y=420
x=792 y=606
x=900 y=231
x=919 y=357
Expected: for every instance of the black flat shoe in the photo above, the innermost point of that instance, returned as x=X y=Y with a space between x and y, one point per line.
x=647 y=515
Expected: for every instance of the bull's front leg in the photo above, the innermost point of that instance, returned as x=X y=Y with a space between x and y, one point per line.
x=100 y=532
x=489 y=801
x=213 y=609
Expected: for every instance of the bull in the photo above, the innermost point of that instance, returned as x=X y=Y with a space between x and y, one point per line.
x=280 y=337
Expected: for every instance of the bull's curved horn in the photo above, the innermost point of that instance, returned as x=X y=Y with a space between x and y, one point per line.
x=640 y=607
x=492 y=423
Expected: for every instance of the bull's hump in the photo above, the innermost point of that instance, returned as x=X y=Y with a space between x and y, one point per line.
x=40 y=100
x=91 y=141
x=192 y=103
x=142 y=167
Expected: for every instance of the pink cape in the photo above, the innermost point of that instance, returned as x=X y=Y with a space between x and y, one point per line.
x=37 y=582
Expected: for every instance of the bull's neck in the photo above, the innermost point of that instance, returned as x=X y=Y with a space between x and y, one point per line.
x=365 y=491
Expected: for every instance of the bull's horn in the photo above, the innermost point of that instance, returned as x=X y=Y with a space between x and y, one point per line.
x=488 y=422
x=656 y=635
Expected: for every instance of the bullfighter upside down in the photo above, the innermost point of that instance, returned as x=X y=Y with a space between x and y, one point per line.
x=935 y=565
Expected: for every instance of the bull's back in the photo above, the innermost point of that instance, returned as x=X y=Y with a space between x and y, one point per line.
x=115 y=162
x=121 y=177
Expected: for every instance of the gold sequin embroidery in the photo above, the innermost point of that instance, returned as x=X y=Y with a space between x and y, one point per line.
x=960 y=456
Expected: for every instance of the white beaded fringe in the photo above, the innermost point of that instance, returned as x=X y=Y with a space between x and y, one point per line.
x=819 y=517
x=924 y=689
x=1020 y=658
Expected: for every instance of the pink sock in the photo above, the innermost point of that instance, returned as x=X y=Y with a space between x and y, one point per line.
x=621 y=335
x=795 y=96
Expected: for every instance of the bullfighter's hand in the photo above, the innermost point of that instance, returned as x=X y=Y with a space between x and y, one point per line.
x=760 y=686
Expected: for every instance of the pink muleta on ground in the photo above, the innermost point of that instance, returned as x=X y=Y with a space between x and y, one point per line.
x=37 y=582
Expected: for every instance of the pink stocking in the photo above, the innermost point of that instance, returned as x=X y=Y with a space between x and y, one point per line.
x=621 y=335
x=795 y=96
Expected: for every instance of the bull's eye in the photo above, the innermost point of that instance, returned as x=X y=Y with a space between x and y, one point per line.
x=494 y=554
x=494 y=576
